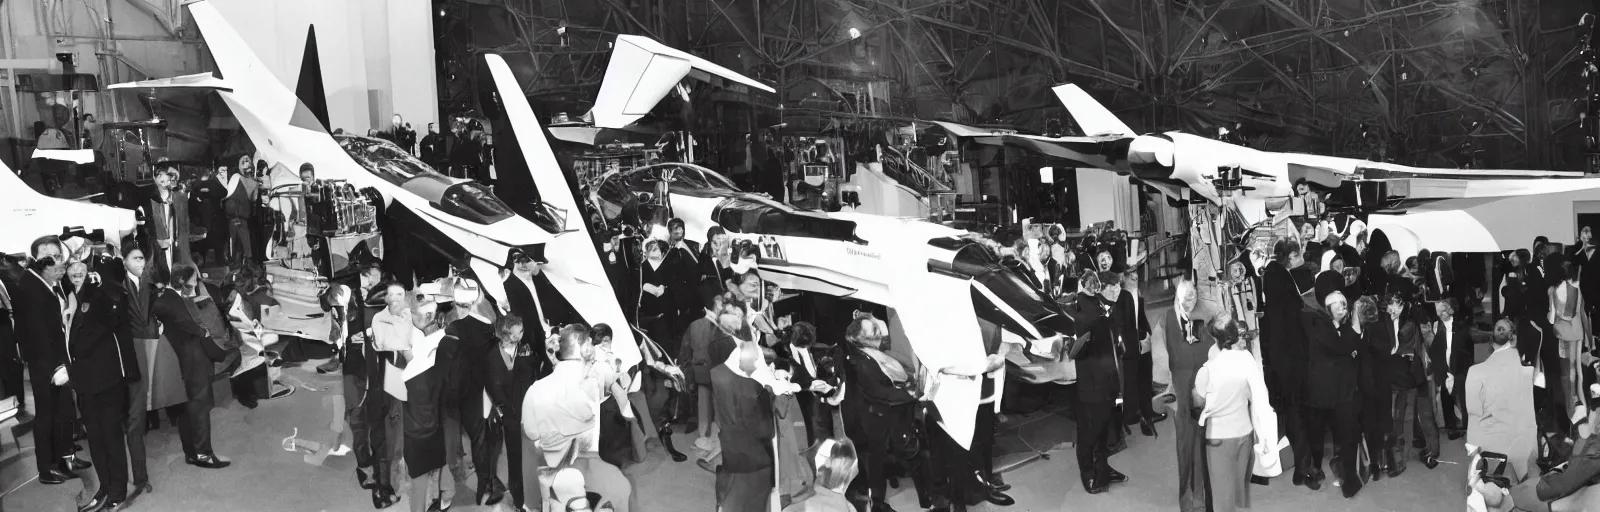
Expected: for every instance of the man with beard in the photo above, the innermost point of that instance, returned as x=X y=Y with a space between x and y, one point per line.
x=1283 y=345
x=101 y=366
x=432 y=150
x=41 y=308
x=1098 y=384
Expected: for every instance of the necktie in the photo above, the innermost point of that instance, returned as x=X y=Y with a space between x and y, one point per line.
x=60 y=292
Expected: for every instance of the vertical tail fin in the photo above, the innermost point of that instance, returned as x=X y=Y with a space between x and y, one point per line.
x=313 y=109
x=1093 y=117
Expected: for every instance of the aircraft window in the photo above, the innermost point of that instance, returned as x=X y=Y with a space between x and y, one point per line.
x=473 y=202
x=384 y=158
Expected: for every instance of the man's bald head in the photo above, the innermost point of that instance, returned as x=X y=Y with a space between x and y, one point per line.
x=574 y=339
x=750 y=356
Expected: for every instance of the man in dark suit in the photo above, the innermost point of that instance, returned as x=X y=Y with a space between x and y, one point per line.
x=509 y=370
x=1099 y=386
x=745 y=414
x=208 y=196
x=532 y=297
x=1450 y=355
x=138 y=284
x=10 y=361
x=1134 y=321
x=175 y=309
x=101 y=366
x=432 y=150
x=1283 y=341
x=1332 y=374
x=41 y=305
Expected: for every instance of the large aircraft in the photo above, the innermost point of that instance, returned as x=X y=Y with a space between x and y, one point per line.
x=27 y=215
x=1453 y=210
x=459 y=218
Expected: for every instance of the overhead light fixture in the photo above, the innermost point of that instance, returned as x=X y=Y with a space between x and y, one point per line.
x=855 y=33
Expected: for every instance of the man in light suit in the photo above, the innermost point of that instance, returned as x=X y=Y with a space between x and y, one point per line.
x=1499 y=397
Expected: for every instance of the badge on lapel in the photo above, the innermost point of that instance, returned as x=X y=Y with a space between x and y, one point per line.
x=83 y=308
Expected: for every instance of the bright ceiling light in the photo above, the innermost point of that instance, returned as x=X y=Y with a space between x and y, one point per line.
x=855 y=33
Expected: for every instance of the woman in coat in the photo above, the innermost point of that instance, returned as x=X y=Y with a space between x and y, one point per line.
x=424 y=420
x=1188 y=346
x=1239 y=421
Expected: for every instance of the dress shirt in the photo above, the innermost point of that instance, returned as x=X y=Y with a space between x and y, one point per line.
x=1396 y=323
x=1234 y=392
x=562 y=410
x=1449 y=339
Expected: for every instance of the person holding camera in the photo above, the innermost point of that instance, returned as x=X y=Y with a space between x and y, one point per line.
x=41 y=307
x=101 y=367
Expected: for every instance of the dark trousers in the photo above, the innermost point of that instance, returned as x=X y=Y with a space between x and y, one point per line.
x=52 y=420
x=104 y=414
x=880 y=432
x=1413 y=419
x=1136 y=395
x=486 y=444
x=355 y=393
x=1449 y=402
x=194 y=427
x=1344 y=420
x=133 y=428
x=964 y=466
x=513 y=441
x=239 y=245
x=1377 y=418
x=1094 y=435
x=10 y=364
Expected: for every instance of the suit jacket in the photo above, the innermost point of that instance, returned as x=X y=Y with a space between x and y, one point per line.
x=41 y=330
x=190 y=341
x=433 y=149
x=1098 y=380
x=744 y=411
x=1134 y=322
x=1461 y=352
x=1404 y=366
x=1283 y=329
x=102 y=341
x=141 y=319
x=1500 y=408
x=157 y=228
x=1331 y=371
x=508 y=386
x=521 y=303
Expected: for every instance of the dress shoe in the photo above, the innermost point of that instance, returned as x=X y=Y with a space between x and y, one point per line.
x=56 y=476
x=364 y=480
x=996 y=484
x=1147 y=428
x=488 y=495
x=1350 y=490
x=383 y=497
x=1115 y=477
x=1313 y=482
x=94 y=505
x=1430 y=459
x=1260 y=480
x=665 y=434
x=1299 y=478
x=77 y=464
x=208 y=461
x=1156 y=417
x=1000 y=498
x=1093 y=486
x=113 y=505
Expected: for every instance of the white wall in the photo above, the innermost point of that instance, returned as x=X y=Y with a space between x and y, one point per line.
x=1103 y=196
x=377 y=55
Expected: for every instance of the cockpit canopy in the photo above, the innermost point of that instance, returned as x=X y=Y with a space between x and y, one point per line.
x=465 y=199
